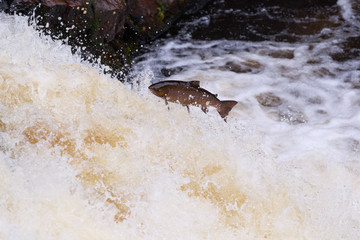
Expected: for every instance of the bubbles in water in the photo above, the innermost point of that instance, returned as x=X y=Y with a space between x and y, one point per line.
x=142 y=81
x=83 y=157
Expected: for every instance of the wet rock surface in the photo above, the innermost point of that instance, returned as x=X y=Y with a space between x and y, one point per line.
x=269 y=99
x=349 y=49
x=289 y=54
x=248 y=66
x=235 y=67
x=110 y=30
x=279 y=110
x=150 y=18
x=90 y=21
x=4 y=5
x=257 y=20
x=116 y=31
x=167 y=72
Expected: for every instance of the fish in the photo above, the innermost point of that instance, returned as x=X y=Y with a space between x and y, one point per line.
x=190 y=93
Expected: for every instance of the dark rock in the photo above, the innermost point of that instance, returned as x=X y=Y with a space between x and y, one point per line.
x=321 y=72
x=234 y=67
x=96 y=19
x=113 y=30
x=242 y=67
x=93 y=25
x=150 y=18
x=315 y=100
x=269 y=99
x=300 y=3
x=237 y=4
x=350 y=49
x=314 y=61
x=262 y=20
x=4 y=6
x=322 y=112
x=252 y=64
x=353 y=83
x=110 y=18
x=66 y=20
x=289 y=54
x=356 y=85
x=311 y=28
x=167 y=72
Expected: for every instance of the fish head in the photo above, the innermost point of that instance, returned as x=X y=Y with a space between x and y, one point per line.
x=157 y=90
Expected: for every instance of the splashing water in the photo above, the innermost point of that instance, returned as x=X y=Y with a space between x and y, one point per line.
x=83 y=157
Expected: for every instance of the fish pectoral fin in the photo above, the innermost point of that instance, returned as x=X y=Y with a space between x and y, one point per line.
x=166 y=102
x=204 y=109
x=195 y=84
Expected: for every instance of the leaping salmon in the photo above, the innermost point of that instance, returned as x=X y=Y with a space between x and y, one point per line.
x=190 y=93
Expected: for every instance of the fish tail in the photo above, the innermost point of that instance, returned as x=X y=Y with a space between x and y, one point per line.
x=225 y=107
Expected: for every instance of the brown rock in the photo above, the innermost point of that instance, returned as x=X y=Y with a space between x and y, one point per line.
x=110 y=15
x=252 y=63
x=150 y=18
x=18 y=4
x=237 y=68
x=269 y=99
x=112 y=30
x=167 y=72
x=103 y=19
x=350 y=49
x=289 y=54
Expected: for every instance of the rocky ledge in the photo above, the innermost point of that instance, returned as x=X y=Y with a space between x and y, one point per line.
x=111 y=30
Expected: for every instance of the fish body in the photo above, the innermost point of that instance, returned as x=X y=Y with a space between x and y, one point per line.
x=190 y=93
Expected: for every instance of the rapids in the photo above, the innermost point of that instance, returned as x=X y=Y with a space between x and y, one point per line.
x=83 y=156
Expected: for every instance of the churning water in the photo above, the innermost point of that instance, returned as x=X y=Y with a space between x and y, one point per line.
x=84 y=157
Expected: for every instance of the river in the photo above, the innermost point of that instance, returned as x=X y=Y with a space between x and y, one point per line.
x=84 y=156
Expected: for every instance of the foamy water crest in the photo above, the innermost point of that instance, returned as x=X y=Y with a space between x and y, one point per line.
x=347 y=10
x=84 y=157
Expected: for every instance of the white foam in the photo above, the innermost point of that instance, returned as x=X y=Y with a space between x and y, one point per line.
x=346 y=8
x=83 y=157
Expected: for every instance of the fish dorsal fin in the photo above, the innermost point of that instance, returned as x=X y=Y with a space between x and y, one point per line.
x=195 y=84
